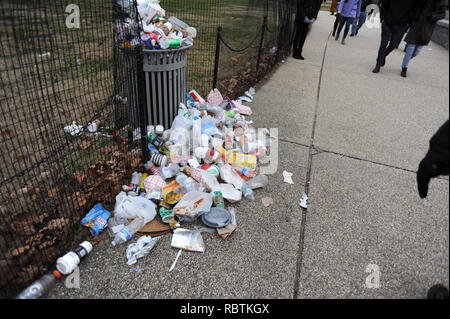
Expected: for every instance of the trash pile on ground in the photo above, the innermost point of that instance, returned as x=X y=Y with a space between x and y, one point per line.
x=156 y=30
x=207 y=160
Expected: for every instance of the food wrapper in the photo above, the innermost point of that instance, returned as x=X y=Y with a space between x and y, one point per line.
x=169 y=195
x=96 y=219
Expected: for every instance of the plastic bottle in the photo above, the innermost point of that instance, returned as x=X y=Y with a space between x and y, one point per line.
x=181 y=178
x=170 y=43
x=128 y=231
x=247 y=191
x=170 y=171
x=40 y=287
x=245 y=171
x=67 y=263
x=155 y=140
x=135 y=184
x=258 y=181
x=183 y=27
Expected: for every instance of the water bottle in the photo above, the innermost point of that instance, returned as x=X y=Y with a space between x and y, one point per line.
x=155 y=140
x=258 y=181
x=128 y=231
x=67 y=263
x=135 y=184
x=40 y=287
x=247 y=191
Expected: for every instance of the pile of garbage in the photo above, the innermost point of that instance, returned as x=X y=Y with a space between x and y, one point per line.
x=154 y=31
x=205 y=161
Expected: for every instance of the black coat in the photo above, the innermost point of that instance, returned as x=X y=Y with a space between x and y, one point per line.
x=398 y=13
x=308 y=8
x=423 y=25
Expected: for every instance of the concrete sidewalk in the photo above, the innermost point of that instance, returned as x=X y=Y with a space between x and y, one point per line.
x=353 y=140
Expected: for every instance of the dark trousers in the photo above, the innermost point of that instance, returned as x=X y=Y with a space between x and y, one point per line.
x=300 y=37
x=336 y=23
x=347 y=22
x=390 y=40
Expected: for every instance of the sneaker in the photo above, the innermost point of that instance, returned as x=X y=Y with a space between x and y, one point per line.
x=298 y=56
x=336 y=37
x=352 y=35
x=343 y=41
x=376 y=69
x=404 y=72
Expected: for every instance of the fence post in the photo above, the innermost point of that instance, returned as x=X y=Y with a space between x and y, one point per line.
x=261 y=42
x=216 y=62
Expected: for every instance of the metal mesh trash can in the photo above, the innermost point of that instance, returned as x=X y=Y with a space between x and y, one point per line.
x=165 y=81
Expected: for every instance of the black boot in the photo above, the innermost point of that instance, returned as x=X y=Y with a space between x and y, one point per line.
x=404 y=71
x=376 y=69
x=437 y=292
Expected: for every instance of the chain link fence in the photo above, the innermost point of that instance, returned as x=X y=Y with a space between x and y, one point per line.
x=71 y=98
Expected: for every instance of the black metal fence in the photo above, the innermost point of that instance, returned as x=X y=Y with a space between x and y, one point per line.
x=59 y=79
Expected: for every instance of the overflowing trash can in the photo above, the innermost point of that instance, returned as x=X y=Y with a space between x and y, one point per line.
x=165 y=82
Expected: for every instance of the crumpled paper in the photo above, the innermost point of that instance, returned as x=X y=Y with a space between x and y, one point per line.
x=288 y=177
x=140 y=249
x=304 y=201
x=74 y=129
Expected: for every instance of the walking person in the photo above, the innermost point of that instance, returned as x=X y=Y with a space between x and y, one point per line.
x=396 y=17
x=348 y=11
x=358 y=23
x=336 y=23
x=421 y=30
x=307 y=12
x=334 y=5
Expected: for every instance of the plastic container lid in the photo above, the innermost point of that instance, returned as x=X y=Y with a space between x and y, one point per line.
x=216 y=218
x=67 y=263
x=159 y=129
x=87 y=245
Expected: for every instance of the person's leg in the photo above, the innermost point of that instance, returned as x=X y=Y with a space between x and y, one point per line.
x=362 y=20
x=385 y=38
x=342 y=21
x=410 y=48
x=348 y=24
x=417 y=51
x=396 y=38
x=337 y=22
x=409 y=54
x=354 y=27
x=303 y=31
x=297 y=38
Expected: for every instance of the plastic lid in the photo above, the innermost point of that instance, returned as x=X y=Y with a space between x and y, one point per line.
x=216 y=218
x=159 y=129
x=64 y=267
x=87 y=245
x=57 y=274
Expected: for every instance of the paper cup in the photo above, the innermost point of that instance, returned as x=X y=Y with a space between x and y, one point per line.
x=166 y=214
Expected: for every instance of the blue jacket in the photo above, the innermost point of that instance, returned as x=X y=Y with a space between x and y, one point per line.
x=350 y=9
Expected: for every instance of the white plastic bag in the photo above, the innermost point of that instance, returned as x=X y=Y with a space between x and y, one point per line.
x=132 y=207
x=140 y=249
x=193 y=204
